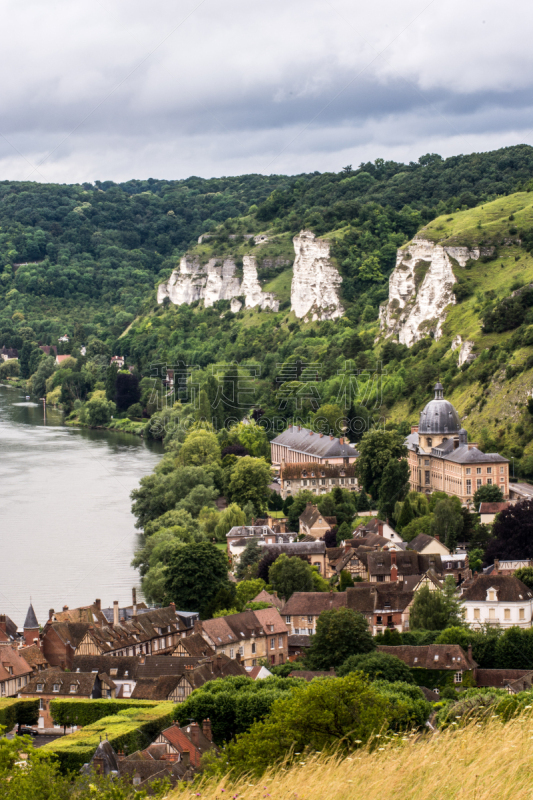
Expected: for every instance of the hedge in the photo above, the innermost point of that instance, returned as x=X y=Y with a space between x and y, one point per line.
x=85 y=712
x=132 y=729
x=15 y=710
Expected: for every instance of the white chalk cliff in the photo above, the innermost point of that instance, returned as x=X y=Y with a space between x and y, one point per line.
x=421 y=289
x=315 y=281
x=216 y=280
x=465 y=350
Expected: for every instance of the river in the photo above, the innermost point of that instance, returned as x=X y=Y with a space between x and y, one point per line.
x=67 y=534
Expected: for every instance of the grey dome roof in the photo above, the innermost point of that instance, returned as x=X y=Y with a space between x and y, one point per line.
x=439 y=416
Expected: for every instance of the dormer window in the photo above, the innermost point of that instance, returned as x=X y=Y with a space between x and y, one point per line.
x=39 y=687
x=56 y=687
x=73 y=688
x=436 y=658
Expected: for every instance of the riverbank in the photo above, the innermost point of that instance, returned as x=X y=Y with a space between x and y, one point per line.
x=136 y=427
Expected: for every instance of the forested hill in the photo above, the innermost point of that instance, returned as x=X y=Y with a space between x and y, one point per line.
x=82 y=259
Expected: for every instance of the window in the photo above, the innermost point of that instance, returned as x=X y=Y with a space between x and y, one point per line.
x=241 y=650
x=288 y=620
x=231 y=652
x=489 y=470
x=477 y=614
x=437 y=657
x=468 y=471
x=127 y=688
x=304 y=483
x=297 y=631
x=522 y=614
x=502 y=480
x=458 y=677
x=489 y=481
x=492 y=613
x=73 y=688
x=428 y=479
x=416 y=659
x=253 y=647
x=56 y=687
x=507 y=613
x=309 y=618
x=280 y=641
x=426 y=462
x=492 y=595
x=430 y=442
x=19 y=683
x=478 y=470
x=469 y=487
x=272 y=643
x=501 y=470
x=479 y=482
x=41 y=704
x=323 y=482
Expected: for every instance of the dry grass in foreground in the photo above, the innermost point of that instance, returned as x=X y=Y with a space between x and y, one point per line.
x=490 y=762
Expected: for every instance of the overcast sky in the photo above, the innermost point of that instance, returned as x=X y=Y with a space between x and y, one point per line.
x=167 y=89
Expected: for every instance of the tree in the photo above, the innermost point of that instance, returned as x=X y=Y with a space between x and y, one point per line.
x=297 y=507
x=24 y=360
x=487 y=494
x=344 y=533
x=513 y=534
x=345 y=580
x=376 y=449
x=44 y=371
x=249 y=560
x=378 y=666
x=201 y=497
x=231 y=517
x=99 y=410
x=127 y=391
x=436 y=610
x=405 y=516
x=447 y=522
x=247 y=590
x=394 y=486
x=525 y=574
x=328 y=714
x=111 y=382
x=289 y=575
x=200 y=448
x=340 y=633
x=159 y=493
x=329 y=419
x=195 y=574
x=250 y=482
x=363 y=503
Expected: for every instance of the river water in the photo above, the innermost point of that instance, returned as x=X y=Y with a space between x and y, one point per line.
x=67 y=534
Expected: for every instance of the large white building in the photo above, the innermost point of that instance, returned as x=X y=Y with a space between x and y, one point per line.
x=497 y=600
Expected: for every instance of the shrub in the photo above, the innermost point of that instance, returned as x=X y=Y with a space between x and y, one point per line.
x=14 y=710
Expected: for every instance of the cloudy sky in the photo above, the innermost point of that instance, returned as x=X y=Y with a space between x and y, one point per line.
x=172 y=88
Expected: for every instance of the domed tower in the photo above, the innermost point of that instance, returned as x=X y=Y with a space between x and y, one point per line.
x=439 y=421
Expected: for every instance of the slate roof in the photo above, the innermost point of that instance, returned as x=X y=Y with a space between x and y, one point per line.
x=313 y=603
x=299 y=640
x=439 y=416
x=432 y=656
x=117 y=667
x=142 y=628
x=84 y=681
x=309 y=548
x=196 y=670
x=196 y=646
x=30 y=623
x=308 y=442
x=311 y=514
x=69 y=632
x=239 y=627
x=180 y=739
x=509 y=589
x=407 y=562
x=368 y=598
x=420 y=542
x=466 y=454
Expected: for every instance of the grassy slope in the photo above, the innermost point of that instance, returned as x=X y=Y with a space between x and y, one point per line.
x=506 y=396
x=490 y=762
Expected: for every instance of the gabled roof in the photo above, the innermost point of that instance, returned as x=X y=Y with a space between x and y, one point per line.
x=117 y=667
x=33 y=655
x=155 y=688
x=311 y=515
x=492 y=508
x=314 y=547
x=368 y=598
x=432 y=656
x=306 y=441
x=266 y=597
x=421 y=541
x=30 y=623
x=313 y=603
x=508 y=589
x=180 y=739
x=195 y=646
x=10 y=657
x=84 y=682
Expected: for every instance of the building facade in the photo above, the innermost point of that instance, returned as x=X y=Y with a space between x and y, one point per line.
x=441 y=458
x=495 y=599
x=316 y=478
x=299 y=445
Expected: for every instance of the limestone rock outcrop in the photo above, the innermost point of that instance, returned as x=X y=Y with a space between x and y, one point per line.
x=315 y=281
x=421 y=289
x=216 y=280
x=465 y=350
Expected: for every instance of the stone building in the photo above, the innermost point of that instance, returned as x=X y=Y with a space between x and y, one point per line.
x=299 y=445
x=318 y=479
x=249 y=636
x=441 y=458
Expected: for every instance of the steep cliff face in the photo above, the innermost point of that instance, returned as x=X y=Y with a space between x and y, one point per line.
x=216 y=280
x=315 y=282
x=421 y=288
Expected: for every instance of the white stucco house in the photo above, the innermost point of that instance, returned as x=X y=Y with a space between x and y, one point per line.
x=497 y=600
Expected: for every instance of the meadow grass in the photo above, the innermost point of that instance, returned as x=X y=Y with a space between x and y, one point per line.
x=493 y=761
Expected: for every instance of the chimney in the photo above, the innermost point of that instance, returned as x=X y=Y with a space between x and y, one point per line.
x=194 y=733
x=120 y=755
x=206 y=729
x=470 y=652
x=310 y=433
x=65 y=608
x=98 y=604
x=380 y=528
x=3 y=623
x=173 y=607
x=496 y=565
x=341 y=440
x=51 y=613
x=414 y=428
x=393 y=557
x=437 y=537
x=331 y=438
x=115 y=612
x=134 y=601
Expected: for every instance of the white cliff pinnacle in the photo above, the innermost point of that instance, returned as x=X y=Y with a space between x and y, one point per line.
x=421 y=289
x=315 y=281
x=216 y=280
x=465 y=350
